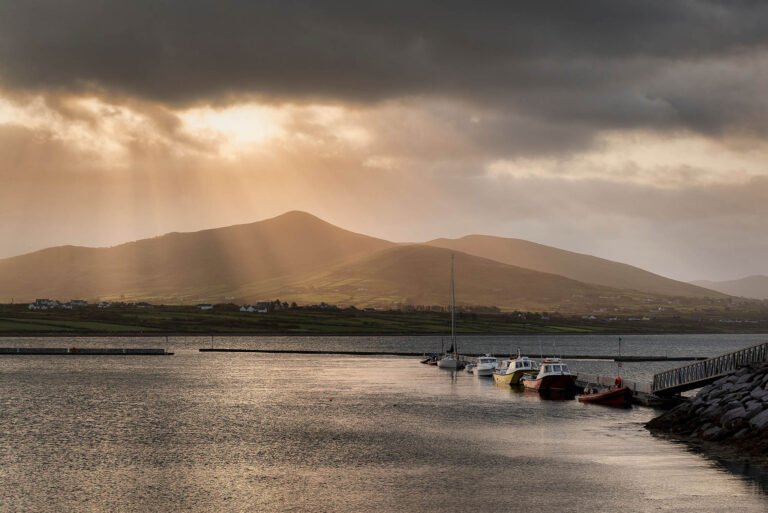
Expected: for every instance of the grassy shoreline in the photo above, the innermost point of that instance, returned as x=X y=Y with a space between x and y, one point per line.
x=18 y=321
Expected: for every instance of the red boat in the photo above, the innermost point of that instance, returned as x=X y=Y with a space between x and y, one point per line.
x=554 y=378
x=620 y=397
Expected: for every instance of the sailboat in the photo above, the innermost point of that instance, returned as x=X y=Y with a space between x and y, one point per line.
x=451 y=358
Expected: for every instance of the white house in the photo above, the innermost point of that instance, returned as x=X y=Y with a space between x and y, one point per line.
x=44 y=304
x=205 y=306
x=258 y=308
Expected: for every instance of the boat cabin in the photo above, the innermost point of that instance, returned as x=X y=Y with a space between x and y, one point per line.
x=554 y=366
x=525 y=363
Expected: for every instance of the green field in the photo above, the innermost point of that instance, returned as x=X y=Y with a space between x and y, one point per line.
x=226 y=319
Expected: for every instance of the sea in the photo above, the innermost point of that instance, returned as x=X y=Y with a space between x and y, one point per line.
x=253 y=432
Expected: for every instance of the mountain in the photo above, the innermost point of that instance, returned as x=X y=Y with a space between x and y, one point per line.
x=177 y=266
x=298 y=257
x=420 y=275
x=755 y=286
x=577 y=266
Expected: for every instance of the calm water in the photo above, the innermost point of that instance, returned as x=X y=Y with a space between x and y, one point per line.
x=251 y=432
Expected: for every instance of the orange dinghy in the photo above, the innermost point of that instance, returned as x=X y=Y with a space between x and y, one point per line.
x=617 y=397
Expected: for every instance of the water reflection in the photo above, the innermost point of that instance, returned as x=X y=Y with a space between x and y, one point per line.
x=244 y=432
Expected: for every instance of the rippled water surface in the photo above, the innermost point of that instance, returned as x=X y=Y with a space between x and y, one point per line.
x=214 y=432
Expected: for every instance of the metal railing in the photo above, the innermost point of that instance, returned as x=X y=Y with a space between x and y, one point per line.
x=706 y=370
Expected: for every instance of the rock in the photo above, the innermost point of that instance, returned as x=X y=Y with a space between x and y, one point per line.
x=718 y=392
x=730 y=405
x=713 y=433
x=758 y=393
x=760 y=421
x=739 y=387
x=745 y=378
x=741 y=433
x=701 y=429
x=753 y=408
x=718 y=382
x=733 y=417
x=713 y=411
x=741 y=372
x=682 y=408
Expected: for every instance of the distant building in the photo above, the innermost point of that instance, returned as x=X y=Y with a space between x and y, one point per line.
x=104 y=304
x=260 y=307
x=205 y=306
x=44 y=304
x=77 y=303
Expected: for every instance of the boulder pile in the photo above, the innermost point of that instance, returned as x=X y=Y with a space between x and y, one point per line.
x=733 y=410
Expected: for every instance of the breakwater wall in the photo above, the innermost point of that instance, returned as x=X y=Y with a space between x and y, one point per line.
x=463 y=355
x=85 y=351
x=731 y=411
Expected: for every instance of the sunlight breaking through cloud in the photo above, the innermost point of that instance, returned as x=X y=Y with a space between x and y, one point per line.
x=677 y=161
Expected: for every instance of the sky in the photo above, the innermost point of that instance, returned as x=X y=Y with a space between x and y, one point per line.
x=630 y=130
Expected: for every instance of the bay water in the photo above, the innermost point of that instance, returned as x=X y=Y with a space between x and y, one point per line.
x=236 y=432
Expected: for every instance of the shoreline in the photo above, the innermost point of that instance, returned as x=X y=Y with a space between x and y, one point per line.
x=728 y=416
x=327 y=334
x=713 y=449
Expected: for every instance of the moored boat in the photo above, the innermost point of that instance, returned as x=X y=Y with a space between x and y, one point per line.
x=554 y=377
x=429 y=359
x=485 y=365
x=512 y=373
x=451 y=359
x=618 y=397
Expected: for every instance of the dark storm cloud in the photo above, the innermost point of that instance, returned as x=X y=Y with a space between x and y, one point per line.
x=599 y=64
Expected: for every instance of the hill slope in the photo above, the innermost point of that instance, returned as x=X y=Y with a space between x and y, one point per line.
x=755 y=286
x=420 y=275
x=206 y=264
x=577 y=266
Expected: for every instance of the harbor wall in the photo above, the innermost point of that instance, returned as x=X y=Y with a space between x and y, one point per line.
x=732 y=411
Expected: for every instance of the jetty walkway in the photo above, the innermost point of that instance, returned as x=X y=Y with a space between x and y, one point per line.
x=696 y=375
x=667 y=386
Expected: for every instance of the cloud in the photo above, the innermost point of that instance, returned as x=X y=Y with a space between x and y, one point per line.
x=633 y=130
x=592 y=65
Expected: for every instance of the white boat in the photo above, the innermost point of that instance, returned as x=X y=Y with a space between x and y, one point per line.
x=451 y=359
x=486 y=365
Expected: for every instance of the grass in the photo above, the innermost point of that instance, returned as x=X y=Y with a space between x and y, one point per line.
x=15 y=319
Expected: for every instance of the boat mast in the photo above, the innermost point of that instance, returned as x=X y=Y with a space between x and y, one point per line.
x=453 y=309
